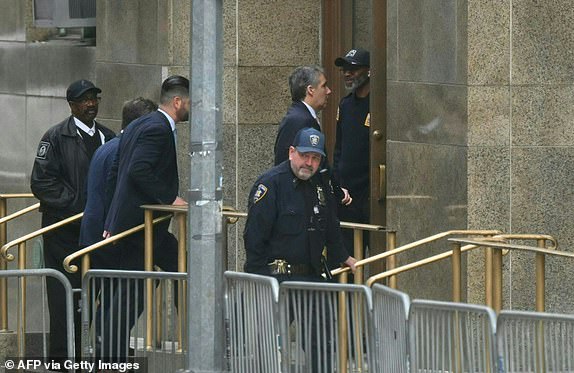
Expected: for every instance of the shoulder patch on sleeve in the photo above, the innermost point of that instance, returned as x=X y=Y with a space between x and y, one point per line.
x=259 y=193
x=43 y=148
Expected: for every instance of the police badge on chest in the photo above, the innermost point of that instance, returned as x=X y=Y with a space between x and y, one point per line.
x=321 y=196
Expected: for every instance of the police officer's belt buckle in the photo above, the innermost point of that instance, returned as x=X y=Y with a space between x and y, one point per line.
x=280 y=267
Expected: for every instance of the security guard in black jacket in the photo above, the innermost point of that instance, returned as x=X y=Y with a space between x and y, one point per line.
x=58 y=180
x=292 y=216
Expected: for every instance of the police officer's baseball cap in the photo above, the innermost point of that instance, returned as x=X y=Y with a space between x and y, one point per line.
x=355 y=57
x=79 y=87
x=310 y=140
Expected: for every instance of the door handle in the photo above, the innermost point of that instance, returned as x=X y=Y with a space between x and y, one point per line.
x=382 y=182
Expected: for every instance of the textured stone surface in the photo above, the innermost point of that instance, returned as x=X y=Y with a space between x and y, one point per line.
x=124 y=36
x=427 y=195
x=489 y=188
x=268 y=38
x=122 y=82
x=70 y=62
x=432 y=41
x=542 y=200
x=12 y=20
x=263 y=100
x=543 y=115
x=12 y=70
x=488 y=42
x=488 y=116
x=427 y=113
x=542 y=41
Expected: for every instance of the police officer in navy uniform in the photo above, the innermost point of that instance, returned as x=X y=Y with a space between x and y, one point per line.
x=292 y=216
x=351 y=155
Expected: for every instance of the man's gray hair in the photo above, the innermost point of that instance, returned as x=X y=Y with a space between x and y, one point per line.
x=301 y=78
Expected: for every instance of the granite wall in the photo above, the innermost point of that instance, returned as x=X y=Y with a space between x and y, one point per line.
x=521 y=119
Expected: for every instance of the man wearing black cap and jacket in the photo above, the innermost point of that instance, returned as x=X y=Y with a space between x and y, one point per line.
x=58 y=181
x=351 y=155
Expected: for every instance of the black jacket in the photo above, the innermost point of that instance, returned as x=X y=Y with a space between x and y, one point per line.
x=291 y=219
x=61 y=168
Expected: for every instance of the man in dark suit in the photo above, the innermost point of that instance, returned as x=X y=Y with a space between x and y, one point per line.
x=309 y=95
x=144 y=172
x=95 y=212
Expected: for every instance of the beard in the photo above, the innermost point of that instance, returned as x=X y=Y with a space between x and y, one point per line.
x=357 y=82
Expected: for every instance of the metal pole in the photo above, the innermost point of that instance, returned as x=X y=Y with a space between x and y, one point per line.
x=206 y=342
x=540 y=278
x=456 y=273
x=392 y=260
x=358 y=246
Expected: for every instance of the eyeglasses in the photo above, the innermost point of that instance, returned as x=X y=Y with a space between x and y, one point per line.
x=86 y=100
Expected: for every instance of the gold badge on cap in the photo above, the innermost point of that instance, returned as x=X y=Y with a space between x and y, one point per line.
x=314 y=140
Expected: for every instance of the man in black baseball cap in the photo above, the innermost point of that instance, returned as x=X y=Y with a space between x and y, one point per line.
x=354 y=57
x=351 y=156
x=79 y=87
x=58 y=180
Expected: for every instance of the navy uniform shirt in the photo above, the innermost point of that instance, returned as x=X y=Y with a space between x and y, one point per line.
x=351 y=156
x=290 y=219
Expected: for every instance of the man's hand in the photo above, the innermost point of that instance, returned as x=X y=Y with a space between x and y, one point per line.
x=106 y=234
x=347 y=199
x=179 y=202
x=350 y=262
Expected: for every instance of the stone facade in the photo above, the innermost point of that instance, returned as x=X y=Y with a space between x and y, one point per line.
x=479 y=131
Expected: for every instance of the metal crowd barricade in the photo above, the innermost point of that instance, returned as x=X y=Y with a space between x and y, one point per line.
x=21 y=327
x=451 y=337
x=390 y=330
x=535 y=342
x=251 y=319
x=112 y=300
x=324 y=327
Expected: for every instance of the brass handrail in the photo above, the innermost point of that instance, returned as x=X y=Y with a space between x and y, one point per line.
x=3 y=238
x=18 y=213
x=23 y=239
x=540 y=262
x=72 y=268
x=16 y=195
x=416 y=244
x=473 y=244
x=21 y=242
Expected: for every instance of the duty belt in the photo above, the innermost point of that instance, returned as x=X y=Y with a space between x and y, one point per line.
x=282 y=267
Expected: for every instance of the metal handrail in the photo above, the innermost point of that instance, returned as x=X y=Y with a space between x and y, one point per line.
x=72 y=268
x=492 y=299
x=18 y=213
x=415 y=244
x=3 y=238
x=9 y=257
x=232 y=216
x=540 y=270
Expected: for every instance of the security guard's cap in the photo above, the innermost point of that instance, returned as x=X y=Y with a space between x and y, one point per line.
x=355 y=57
x=79 y=87
x=310 y=140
